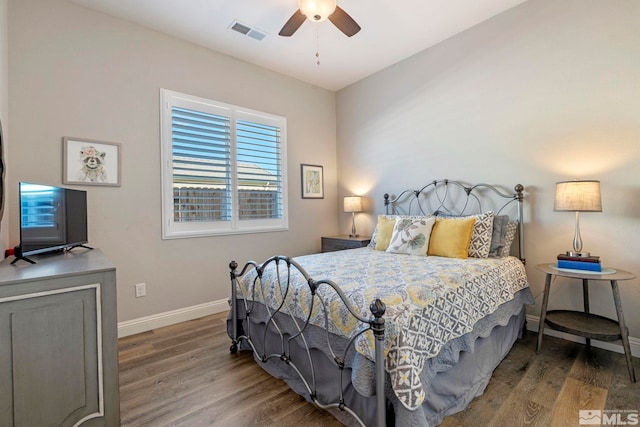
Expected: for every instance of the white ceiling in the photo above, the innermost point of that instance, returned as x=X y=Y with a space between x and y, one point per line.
x=392 y=30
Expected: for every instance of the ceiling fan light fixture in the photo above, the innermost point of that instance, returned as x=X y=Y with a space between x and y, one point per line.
x=317 y=10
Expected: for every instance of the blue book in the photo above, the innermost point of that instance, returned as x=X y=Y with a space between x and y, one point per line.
x=579 y=265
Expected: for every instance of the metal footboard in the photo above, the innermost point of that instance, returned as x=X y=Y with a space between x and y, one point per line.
x=297 y=327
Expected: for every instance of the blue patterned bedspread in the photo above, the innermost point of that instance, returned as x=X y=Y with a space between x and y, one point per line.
x=430 y=300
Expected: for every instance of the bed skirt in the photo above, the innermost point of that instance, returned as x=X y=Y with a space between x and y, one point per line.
x=459 y=373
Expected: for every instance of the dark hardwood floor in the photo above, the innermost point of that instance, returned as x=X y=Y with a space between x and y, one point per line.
x=184 y=375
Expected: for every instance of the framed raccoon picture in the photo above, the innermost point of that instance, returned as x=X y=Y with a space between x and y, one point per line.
x=89 y=162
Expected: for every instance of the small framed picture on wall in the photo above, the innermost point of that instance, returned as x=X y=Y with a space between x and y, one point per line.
x=312 y=182
x=89 y=162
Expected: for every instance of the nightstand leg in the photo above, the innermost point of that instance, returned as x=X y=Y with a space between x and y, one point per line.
x=543 y=311
x=585 y=297
x=623 y=329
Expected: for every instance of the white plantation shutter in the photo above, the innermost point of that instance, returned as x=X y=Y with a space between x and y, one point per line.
x=201 y=145
x=222 y=168
x=259 y=174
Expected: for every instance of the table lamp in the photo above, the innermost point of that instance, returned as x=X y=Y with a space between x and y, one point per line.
x=353 y=204
x=578 y=196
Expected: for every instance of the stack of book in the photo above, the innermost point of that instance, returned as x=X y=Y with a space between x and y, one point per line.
x=590 y=263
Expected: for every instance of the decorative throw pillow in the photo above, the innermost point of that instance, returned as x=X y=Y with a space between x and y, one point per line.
x=481 y=236
x=512 y=227
x=384 y=230
x=482 y=232
x=451 y=237
x=499 y=235
x=374 y=237
x=411 y=236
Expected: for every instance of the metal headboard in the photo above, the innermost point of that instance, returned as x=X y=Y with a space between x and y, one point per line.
x=454 y=198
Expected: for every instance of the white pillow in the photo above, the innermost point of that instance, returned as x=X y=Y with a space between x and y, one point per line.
x=411 y=236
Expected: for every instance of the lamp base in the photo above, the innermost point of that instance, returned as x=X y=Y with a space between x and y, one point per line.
x=578 y=254
x=354 y=235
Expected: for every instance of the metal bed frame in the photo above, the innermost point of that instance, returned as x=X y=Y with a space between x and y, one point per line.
x=435 y=198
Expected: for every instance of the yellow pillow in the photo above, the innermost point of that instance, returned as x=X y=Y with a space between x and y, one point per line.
x=384 y=230
x=451 y=237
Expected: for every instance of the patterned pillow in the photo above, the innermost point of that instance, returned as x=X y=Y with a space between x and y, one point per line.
x=374 y=237
x=481 y=235
x=512 y=227
x=411 y=236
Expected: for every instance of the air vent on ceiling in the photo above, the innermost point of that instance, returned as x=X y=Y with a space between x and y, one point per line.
x=247 y=30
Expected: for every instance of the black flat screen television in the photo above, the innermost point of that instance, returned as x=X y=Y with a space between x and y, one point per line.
x=51 y=219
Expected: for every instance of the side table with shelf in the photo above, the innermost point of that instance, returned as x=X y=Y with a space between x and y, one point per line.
x=343 y=241
x=585 y=324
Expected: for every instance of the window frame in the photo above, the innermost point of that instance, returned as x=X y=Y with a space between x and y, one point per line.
x=175 y=230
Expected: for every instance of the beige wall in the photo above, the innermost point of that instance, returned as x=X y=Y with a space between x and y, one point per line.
x=4 y=112
x=544 y=92
x=75 y=72
x=547 y=91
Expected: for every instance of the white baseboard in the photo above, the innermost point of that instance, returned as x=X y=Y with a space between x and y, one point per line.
x=534 y=321
x=143 y=324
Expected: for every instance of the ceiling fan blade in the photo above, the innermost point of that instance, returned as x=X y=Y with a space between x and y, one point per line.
x=292 y=24
x=344 y=22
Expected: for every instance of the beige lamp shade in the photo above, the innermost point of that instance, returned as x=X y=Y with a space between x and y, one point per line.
x=578 y=196
x=353 y=204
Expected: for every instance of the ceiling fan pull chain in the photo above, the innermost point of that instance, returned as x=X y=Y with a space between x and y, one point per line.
x=317 y=46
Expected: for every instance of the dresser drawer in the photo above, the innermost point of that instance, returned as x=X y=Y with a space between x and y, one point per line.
x=338 y=243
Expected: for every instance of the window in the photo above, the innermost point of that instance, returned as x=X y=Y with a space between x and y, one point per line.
x=223 y=168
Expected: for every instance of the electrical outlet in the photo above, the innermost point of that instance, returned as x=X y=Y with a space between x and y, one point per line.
x=141 y=290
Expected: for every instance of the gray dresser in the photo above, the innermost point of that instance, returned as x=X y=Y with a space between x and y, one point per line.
x=58 y=341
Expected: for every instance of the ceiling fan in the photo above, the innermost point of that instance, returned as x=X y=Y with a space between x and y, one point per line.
x=318 y=11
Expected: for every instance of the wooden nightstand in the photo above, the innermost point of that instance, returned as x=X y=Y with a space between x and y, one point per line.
x=343 y=241
x=585 y=324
